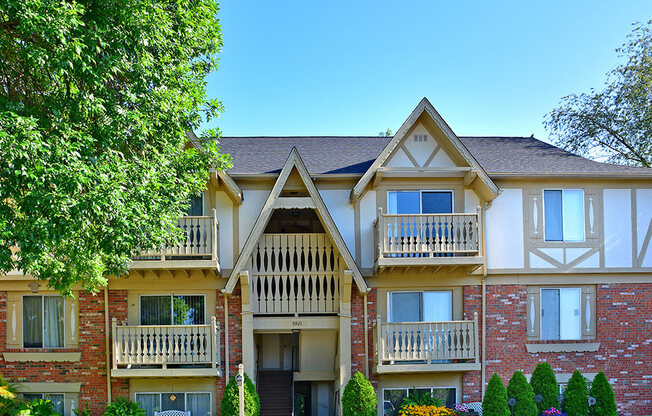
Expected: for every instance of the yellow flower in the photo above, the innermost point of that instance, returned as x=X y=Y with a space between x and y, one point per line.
x=413 y=410
x=6 y=394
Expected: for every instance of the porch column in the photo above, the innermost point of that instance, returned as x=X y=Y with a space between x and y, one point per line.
x=248 y=356
x=344 y=350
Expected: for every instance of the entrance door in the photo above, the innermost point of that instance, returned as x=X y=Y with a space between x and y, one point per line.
x=303 y=398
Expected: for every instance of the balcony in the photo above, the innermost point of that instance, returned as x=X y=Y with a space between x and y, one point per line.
x=426 y=346
x=166 y=350
x=198 y=247
x=294 y=274
x=428 y=240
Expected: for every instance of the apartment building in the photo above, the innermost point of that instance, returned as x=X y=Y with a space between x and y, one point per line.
x=422 y=260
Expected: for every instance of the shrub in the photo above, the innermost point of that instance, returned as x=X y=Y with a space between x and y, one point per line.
x=576 y=396
x=426 y=399
x=121 y=406
x=605 y=401
x=519 y=389
x=495 y=398
x=9 y=403
x=82 y=412
x=230 y=399
x=425 y=410
x=37 y=408
x=359 y=397
x=543 y=382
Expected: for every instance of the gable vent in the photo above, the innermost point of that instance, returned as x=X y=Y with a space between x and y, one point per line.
x=420 y=137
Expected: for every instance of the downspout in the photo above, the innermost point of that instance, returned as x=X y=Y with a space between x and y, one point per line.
x=226 y=336
x=366 y=337
x=106 y=343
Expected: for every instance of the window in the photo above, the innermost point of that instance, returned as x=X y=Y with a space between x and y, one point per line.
x=564 y=214
x=392 y=398
x=57 y=399
x=420 y=202
x=196 y=206
x=172 y=310
x=425 y=306
x=43 y=321
x=560 y=314
x=199 y=404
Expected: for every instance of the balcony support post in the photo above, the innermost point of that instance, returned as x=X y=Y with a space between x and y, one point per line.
x=248 y=356
x=114 y=330
x=344 y=350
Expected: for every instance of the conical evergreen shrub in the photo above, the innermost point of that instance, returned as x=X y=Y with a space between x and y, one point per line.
x=359 y=397
x=519 y=389
x=495 y=398
x=605 y=401
x=230 y=398
x=543 y=382
x=576 y=396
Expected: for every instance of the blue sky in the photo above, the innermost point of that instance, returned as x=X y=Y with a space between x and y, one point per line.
x=359 y=67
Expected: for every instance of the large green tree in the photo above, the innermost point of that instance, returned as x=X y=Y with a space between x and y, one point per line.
x=615 y=122
x=96 y=100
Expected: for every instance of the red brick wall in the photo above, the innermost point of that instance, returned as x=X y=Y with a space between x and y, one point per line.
x=235 y=339
x=357 y=331
x=623 y=315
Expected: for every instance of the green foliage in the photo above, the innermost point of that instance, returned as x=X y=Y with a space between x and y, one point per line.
x=495 y=398
x=576 y=396
x=519 y=389
x=544 y=382
x=9 y=403
x=387 y=133
x=414 y=399
x=230 y=398
x=97 y=99
x=615 y=122
x=121 y=406
x=37 y=408
x=605 y=401
x=86 y=411
x=359 y=397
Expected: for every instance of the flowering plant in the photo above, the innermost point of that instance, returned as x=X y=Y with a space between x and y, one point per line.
x=553 y=412
x=461 y=407
x=425 y=410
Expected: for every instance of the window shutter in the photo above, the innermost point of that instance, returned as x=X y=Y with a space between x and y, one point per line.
x=14 y=321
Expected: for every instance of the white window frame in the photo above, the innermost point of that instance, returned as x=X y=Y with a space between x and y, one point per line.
x=42 y=296
x=171 y=295
x=421 y=191
x=50 y=393
x=543 y=209
x=408 y=389
x=389 y=301
x=185 y=393
x=560 y=288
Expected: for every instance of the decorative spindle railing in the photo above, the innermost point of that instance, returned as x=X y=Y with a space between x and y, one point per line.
x=200 y=237
x=295 y=274
x=165 y=345
x=427 y=342
x=427 y=235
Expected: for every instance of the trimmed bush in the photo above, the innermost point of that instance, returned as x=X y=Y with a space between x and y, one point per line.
x=359 y=397
x=122 y=406
x=576 y=396
x=605 y=401
x=230 y=399
x=495 y=398
x=543 y=382
x=519 y=389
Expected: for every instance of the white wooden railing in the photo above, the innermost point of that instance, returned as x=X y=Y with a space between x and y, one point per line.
x=199 y=240
x=294 y=274
x=427 y=342
x=427 y=235
x=165 y=345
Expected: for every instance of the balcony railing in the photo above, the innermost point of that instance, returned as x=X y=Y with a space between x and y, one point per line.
x=177 y=349
x=431 y=236
x=199 y=241
x=427 y=346
x=295 y=274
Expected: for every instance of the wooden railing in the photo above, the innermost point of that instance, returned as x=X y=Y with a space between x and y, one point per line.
x=427 y=235
x=427 y=342
x=200 y=237
x=166 y=345
x=295 y=274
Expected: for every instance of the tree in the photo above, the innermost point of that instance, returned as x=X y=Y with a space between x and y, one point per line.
x=96 y=101
x=495 y=398
x=576 y=396
x=615 y=122
x=543 y=382
x=230 y=401
x=359 y=397
x=605 y=401
x=519 y=389
x=386 y=133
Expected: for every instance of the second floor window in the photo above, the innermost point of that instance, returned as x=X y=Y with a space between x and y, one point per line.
x=196 y=208
x=420 y=202
x=560 y=314
x=172 y=310
x=564 y=214
x=43 y=321
x=426 y=306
